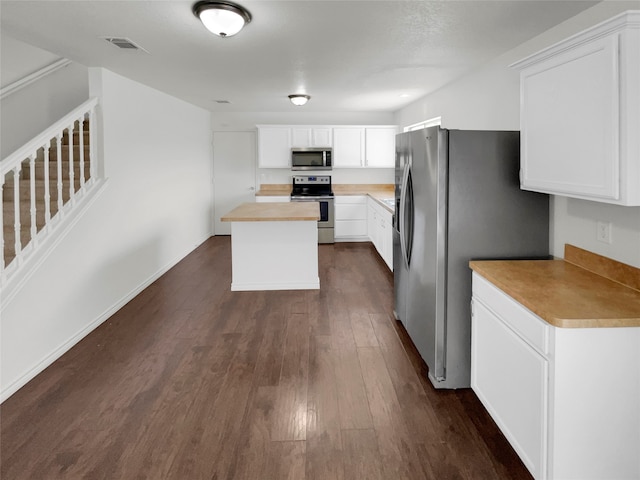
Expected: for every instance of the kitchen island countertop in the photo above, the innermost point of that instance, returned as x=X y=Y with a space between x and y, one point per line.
x=274 y=212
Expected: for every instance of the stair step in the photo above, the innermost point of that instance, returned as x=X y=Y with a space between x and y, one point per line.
x=25 y=190
x=25 y=214
x=53 y=170
x=64 y=155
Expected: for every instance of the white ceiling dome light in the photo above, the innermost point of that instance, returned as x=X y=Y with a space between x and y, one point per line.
x=299 y=99
x=222 y=18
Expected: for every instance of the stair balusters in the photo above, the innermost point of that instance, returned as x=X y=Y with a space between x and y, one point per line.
x=81 y=152
x=43 y=199
x=16 y=212
x=71 y=172
x=2 y=180
x=32 y=196
x=59 y=185
x=47 y=187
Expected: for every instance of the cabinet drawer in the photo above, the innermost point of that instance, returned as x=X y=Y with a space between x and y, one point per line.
x=351 y=212
x=350 y=199
x=526 y=324
x=350 y=228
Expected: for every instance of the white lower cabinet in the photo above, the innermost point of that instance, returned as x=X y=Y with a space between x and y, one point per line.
x=567 y=399
x=351 y=218
x=380 y=228
x=386 y=236
x=510 y=378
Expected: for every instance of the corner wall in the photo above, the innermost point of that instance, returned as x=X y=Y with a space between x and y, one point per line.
x=489 y=99
x=153 y=211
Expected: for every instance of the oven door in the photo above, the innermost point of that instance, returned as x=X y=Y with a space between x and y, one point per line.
x=326 y=222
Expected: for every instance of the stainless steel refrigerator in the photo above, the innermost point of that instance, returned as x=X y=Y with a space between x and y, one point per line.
x=458 y=198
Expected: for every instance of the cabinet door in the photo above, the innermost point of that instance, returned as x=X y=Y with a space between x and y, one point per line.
x=570 y=122
x=352 y=230
x=301 y=137
x=321 y=137
x=348 y=146
x=351 y=217
x=386 y=234
x=372 y=226
x=311 y=136
x=380 y=147
x=511 y=380
x=274 y=147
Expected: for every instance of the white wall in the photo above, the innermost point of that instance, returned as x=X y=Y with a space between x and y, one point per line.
x=30 y=110
x=155 y=209
x=20 y=59
x=488 y=99
x=247 y=121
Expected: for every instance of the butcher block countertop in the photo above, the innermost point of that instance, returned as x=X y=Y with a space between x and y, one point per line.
x=377 y=191
x=381 y=190
x=274 y=190
x=585 y=290
x=274 y=212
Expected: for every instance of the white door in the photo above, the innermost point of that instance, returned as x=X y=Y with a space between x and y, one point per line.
x=234 y=179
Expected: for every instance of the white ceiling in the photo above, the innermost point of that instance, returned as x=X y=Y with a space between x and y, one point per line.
x=348 y=55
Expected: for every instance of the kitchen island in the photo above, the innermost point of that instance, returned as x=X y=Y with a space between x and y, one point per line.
x=274 y=246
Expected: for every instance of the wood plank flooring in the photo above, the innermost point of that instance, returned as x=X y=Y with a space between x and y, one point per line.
x=192 y=381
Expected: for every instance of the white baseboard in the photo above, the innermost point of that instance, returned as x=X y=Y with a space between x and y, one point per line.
x=351 y=239
x=244 y=287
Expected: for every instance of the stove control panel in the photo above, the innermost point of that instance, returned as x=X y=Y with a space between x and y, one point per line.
x=312 y=179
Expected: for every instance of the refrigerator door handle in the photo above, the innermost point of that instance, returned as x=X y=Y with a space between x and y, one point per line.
x=402 y=215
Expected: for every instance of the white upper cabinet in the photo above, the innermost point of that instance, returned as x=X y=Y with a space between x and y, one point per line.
x=274 y=147
x=354 y=146
x=311 y=137
x=348 y=146
x=380 y=147
x=369 y=146
x=580 y=114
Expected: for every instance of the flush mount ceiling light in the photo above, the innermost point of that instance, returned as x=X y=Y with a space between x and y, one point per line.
x=222 y=18
x=299 y=99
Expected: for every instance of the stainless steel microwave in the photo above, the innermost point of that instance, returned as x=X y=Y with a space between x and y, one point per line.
x=311 y=159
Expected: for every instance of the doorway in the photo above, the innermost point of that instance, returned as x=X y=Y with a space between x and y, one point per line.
x=234 y=164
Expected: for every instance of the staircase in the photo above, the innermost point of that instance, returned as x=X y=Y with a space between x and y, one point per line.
x=42 y=183
x=59 y=190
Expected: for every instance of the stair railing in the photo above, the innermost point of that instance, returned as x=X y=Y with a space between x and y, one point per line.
x=42 y=213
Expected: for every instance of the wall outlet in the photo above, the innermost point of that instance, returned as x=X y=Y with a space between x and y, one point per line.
x=603 y=232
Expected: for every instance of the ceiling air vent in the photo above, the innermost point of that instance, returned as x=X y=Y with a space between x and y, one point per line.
x=124 y=43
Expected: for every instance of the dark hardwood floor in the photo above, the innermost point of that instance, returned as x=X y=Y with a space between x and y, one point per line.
x=192 y=381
